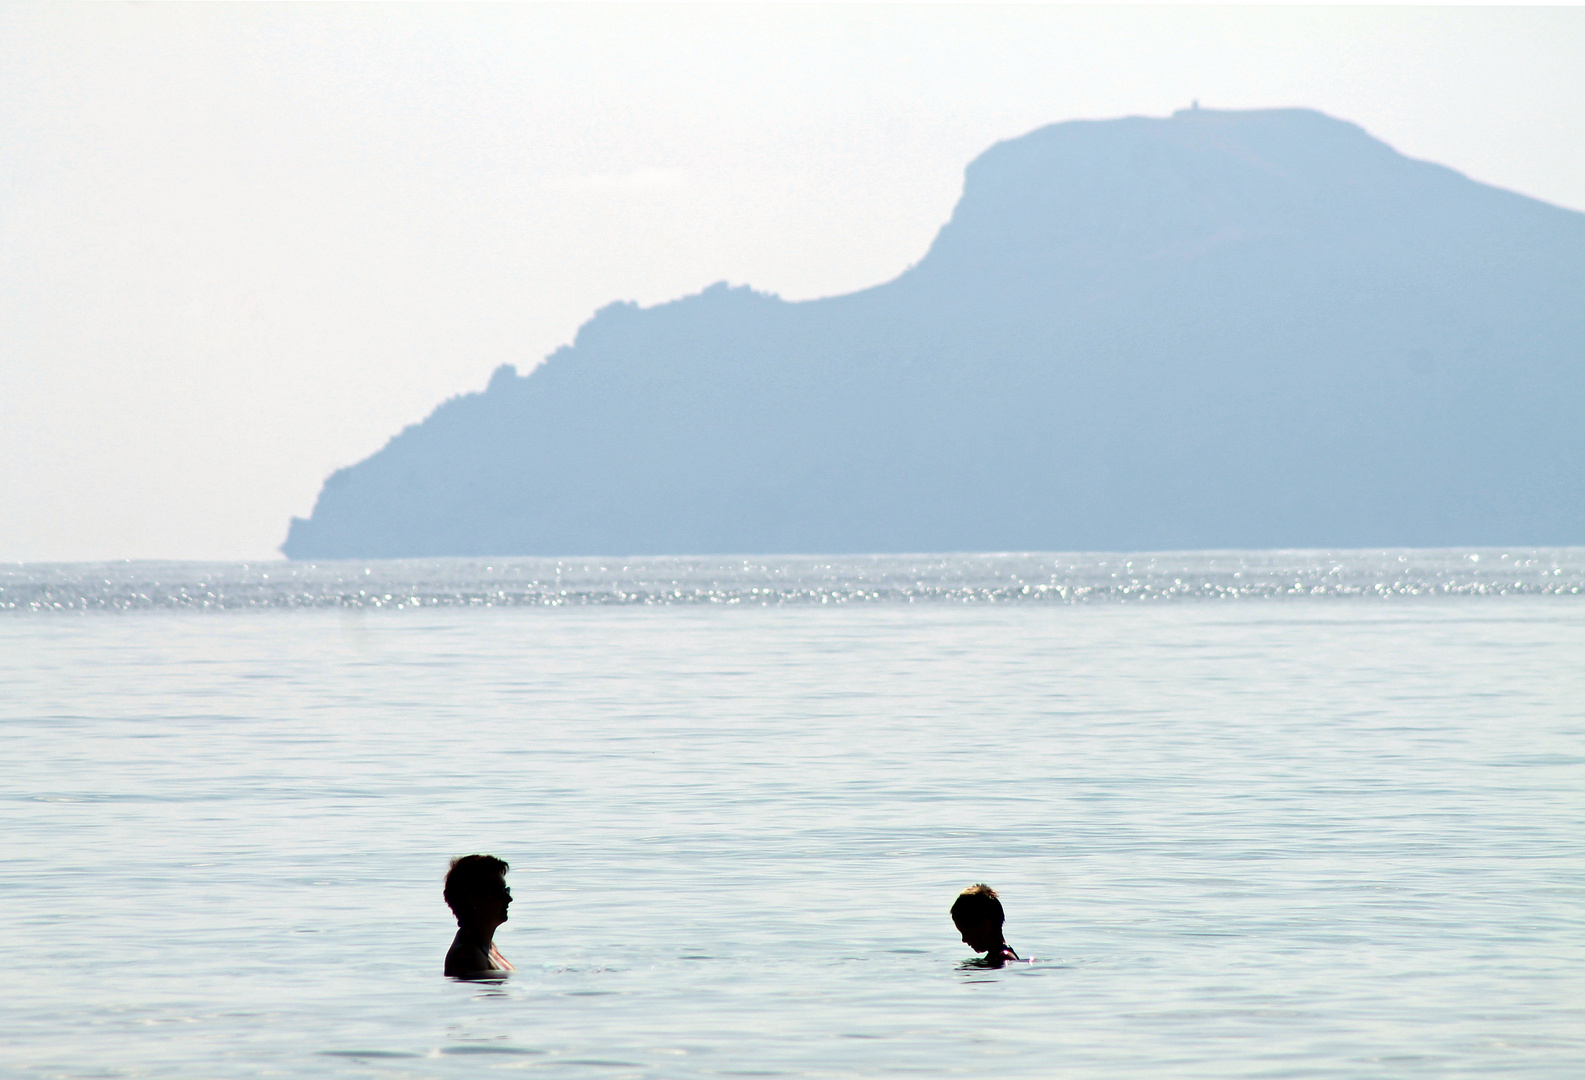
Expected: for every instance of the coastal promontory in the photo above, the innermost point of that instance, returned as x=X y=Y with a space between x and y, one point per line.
x=1215 y=330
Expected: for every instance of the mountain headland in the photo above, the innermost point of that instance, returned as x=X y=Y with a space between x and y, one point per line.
x=1216 y=330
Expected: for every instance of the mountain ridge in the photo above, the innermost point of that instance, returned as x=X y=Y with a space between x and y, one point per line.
x=1218 y=329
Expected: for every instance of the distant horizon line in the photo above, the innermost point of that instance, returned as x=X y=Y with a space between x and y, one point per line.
x=281 y=560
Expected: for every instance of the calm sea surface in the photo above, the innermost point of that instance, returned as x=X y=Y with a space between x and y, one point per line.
x=1257 y=815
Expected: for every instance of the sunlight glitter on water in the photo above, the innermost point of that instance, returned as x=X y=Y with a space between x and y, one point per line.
x=1026 y=578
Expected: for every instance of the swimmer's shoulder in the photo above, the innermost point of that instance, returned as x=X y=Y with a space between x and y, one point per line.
x=465 y=959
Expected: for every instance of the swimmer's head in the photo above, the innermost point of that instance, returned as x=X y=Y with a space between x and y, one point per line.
x=476 y=889
x=977 y=913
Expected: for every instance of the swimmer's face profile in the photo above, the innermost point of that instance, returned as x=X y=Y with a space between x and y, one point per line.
x=982 y=935
x=491 y=901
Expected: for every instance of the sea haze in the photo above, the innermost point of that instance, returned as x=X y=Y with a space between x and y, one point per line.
x=1275 y=814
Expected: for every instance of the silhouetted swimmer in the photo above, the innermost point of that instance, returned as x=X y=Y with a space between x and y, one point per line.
x=977 y=914
x=477 y=894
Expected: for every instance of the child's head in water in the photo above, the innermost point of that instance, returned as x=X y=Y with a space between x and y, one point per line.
x=977 y=913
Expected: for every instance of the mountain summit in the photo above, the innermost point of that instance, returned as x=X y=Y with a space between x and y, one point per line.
x=1216 y=330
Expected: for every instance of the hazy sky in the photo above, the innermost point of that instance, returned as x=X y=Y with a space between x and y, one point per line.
x=243 y=245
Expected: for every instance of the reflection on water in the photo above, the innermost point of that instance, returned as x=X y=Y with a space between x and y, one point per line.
x=798 y=580
x=1320 y=838
x=368 y=1053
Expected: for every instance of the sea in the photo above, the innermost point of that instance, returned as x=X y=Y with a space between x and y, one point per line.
x=1289 y=814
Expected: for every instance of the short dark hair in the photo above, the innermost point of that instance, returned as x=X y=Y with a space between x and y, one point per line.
x=977 y=903
x=469 y=875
